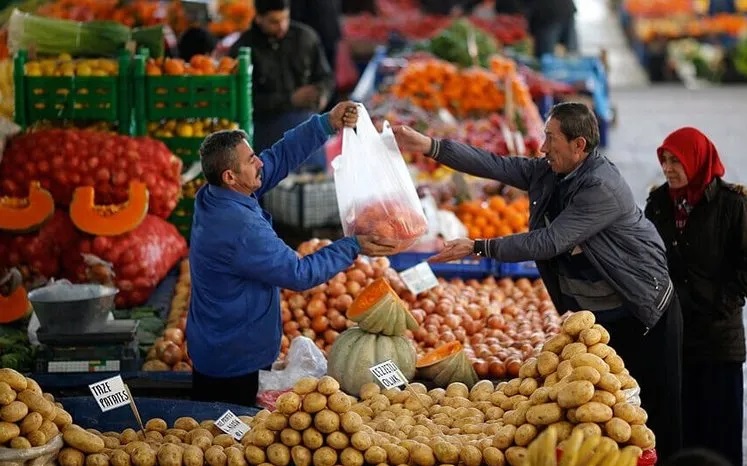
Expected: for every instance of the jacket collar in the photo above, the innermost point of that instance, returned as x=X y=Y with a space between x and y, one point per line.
x=223 y=193
x=588 y=163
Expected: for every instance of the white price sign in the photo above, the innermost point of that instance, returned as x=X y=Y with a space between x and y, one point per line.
x=232 y=425
x=419 y=278
x=110 y=393
x=388 y=374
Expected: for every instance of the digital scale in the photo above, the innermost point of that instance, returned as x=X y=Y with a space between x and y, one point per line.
x=110 y=346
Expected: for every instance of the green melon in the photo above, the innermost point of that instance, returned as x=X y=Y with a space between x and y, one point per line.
x=447 y=364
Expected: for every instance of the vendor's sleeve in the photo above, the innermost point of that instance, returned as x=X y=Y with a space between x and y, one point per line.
x=514 y=171
x=261 y=255
x=293 y=149
x=593 y=209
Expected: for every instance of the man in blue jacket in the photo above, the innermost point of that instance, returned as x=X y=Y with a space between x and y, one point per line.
x=594 y=249
x=238 y=263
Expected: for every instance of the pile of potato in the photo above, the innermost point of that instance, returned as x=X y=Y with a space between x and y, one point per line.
x=577 y=382
x=28 y=416
x=187 y=442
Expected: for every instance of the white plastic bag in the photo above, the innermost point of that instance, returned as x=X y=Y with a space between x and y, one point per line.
x=304 y=359
x=375 y=193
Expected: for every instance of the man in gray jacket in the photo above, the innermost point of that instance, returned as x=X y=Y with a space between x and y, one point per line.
x=593 y=246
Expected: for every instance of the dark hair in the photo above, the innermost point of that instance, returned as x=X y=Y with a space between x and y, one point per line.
x=265 y=6
x=218 y=154
x=577 y=121
x=196 y=41
x=697 y=457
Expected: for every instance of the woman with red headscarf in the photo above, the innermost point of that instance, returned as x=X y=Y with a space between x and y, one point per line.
x=703 y=222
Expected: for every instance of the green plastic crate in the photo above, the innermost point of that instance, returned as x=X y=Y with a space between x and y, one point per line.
x=187 y=149
x=181 y=97
x=93 y=98
x=181 y=218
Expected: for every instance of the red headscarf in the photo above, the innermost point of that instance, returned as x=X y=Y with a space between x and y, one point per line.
x=698 y=156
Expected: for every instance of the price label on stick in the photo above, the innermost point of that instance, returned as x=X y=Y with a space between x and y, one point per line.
x=110 y=393
x=232 y=425
x=419 y=278
x=388 y=374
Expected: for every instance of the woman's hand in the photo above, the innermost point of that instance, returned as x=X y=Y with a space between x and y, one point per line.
x=410 y=140
x=454 y=250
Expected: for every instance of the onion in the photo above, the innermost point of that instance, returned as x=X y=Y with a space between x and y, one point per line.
x=170 y=354
x=174 y=335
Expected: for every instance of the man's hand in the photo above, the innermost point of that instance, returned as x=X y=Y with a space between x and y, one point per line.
x=375 y=246
x=10 y=280
x=410 y=140
x=454 y=250
x=307 y=96
x=344 y=114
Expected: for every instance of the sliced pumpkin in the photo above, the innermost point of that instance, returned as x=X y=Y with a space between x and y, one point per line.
x=109 y=220
x=15 y=306
x=447 y=364
x=24 y=215
x=378 y=309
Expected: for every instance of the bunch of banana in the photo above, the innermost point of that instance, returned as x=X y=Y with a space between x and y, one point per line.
x=592 y=450
x=6 y=89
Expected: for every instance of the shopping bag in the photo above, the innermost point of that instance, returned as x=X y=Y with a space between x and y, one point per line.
x=375 y=193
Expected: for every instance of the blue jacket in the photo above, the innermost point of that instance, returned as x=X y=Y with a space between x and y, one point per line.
x=238 y=263
x=599 y=215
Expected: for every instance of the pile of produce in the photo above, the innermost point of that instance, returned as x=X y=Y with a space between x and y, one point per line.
x=77 y=201
x=189 y=128
x=391 y=218
x=64 y=65
x=494 y=217
x=198 y=65
x=28 y=416
x=452 y=44
x=732 y=25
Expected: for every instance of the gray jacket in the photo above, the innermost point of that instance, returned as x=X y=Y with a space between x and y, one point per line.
x=599 y=215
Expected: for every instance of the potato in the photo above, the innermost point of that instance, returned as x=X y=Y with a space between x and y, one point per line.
x=563 y=429
x=556 y=343
x=588 y=359
x=351 y=422
x=113 y=443
x=603 y=331
x=179 y=433
x=130 y=447
x=71 y=457
x=544 y=414
x=326 y=421
x=594 y=412
x=200 y=432
x=590 y=336
x=262 y=437
x=97 y=459
x=604 y=397
x=143 y=455
x=547 y=363
x=235 y=456
x=31 y=422
x=7 y=394
x=20 y=443
x=420 y=455
x=83 y=440
x=326 y=456
x=254 y=455
x=288 y=403
x=610 y=383
x=224 y=440
x=361 y=440
x=153 y=436
x=512 y=387
x=336 y=440
x=528 y=386
x=641 y=436
x=525 y=434
x=351 y=457
x=493 y=457
x=300 y=420
x=505 y=437
x=578 y=322
x=62 y=418
x=572 y=350
x=36 y=402
x=633 y=415
x=626 y=381
x=339 y=402
x=16 y=380
x=157 y=425
x=32 y=385
x=551 y=380
x=186 y=423
x=312 y=438
x=541 y=395
x=600 y=349
x=396 y=454
x=290 y=437
x=119 y=458
x=529 y=369
x=169 y=454
x=564 y=369
x=215 y=456
x=574 y=394
x=327 y=385
x=618 y=430
x=615 y=363
x=585 y=373
x=314 y=402
x=191 y=455
x=589 y=429
x=516 y=456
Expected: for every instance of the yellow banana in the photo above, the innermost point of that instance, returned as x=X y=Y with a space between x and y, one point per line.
x=587 y=449
x=601 y=451
x=572 y=449
x=611 y=458
x=629 y=456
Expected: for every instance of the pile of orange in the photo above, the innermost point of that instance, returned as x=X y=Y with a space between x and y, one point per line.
x=199 y=65
x=494 y=217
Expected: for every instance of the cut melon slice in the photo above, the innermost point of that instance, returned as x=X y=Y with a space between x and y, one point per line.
x=378 y=309
x=447 y=364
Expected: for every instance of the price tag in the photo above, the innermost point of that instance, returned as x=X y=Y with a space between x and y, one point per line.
x=232 y=425
x=419 y=278
x=388 y=374
x=110 y=393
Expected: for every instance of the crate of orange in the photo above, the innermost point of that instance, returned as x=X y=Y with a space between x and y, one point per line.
x=170 y=88
x=494 y=217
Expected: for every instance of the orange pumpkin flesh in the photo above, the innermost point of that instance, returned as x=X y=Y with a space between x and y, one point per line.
x=24 y=215
x=15 y=306
x=370 y=295
x=109 y=220
x=444 y=351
